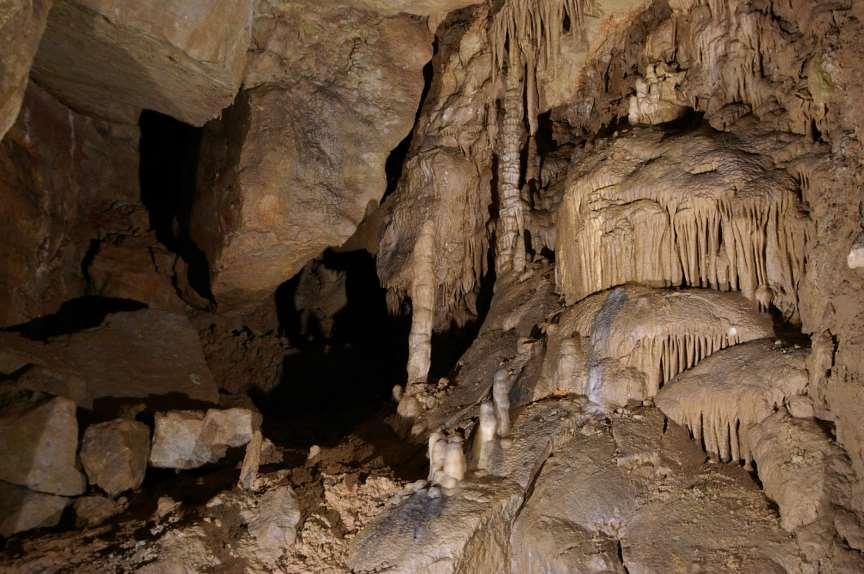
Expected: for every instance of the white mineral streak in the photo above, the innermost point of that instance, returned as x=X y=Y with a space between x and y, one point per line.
x=624 y=344
x=725 y=395
x=501 y=396
x=700 y=210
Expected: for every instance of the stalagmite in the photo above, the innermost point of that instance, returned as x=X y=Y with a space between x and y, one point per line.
x=724 y=396
x=437 y=454
x=454 y=463
x=487 y=433
x=501 y=395
x=623 y=344
x=701 y=209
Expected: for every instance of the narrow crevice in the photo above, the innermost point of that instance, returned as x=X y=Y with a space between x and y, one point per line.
x=75 y=315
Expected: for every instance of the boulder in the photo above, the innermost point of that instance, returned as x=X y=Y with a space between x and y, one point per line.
x=21 y=25
x=94 y=510
x=111 y=59
x=293 y=165
x=189 y=439
x=801 y=470
x=63 y=178
x=38 y=448
x=131 y=354
x=114 y=455
x=273 y=524
x=22 y=509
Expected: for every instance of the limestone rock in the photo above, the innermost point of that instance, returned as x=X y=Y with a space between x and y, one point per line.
x=703 y=209
x=189 y=439
x=22 y=509
x=39 y=447
x=111 y=59
x=131 y=354
x=800 y=469
x=292 y=166
x=62 y=178
x=95 y=510
x=137 y=268
x=419 y=7
x=115 y=453
x=274 y=523
x=722 y=398
x=658 y=99
x=21 y=25
x=623 y=344
x=443 y=534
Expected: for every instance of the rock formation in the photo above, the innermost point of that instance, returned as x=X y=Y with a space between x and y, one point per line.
x=722 y=399
x=601 y=261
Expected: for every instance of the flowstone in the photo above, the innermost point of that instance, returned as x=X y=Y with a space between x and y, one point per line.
x=723 y=397
x=622 y=345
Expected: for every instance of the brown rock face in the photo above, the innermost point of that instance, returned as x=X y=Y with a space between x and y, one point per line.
x=21 y=25
x=419 y=7
x=111 y=58
x=22 y=509
x=292 y=166
x=137 y=354
x=38 y=448
x=114 y=455
x=60 y=174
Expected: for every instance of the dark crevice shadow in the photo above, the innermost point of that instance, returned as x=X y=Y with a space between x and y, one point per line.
x=168 y=171
x=332 y=385
x=75 y=315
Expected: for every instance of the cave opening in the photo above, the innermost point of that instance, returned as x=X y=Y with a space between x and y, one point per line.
x=168 y=169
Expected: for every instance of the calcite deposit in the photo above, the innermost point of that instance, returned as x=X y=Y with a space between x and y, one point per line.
x=445 y=286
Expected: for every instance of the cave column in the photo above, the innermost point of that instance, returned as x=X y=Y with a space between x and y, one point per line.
x=510 y=247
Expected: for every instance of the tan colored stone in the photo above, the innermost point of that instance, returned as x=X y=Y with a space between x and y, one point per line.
x=115 y=453
x=111 y=58
x=131 y=354
x=61 y=176
x=94 y=510
x=189 y=439
x=39 y=447
x=292 y=166
x=22 y=509
x=21 y=25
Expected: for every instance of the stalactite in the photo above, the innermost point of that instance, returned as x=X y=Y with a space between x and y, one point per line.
x=626 y=343
x=724 y=396
x=743 y=230
x=422 y=307
x=524 y=34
